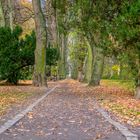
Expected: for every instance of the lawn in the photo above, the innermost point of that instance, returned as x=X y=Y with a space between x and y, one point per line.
x=124 y=84
x=10 y=98
x=11 y=95
x=118 y=97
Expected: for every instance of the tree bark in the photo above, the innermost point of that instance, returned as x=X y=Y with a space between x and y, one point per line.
x=80 y=76
x=97 y=59
x=97 y=66
x=2 y=20
x=8 y=10
x=138 y=86
x=74 y=70
x=138 y=92
x=62 y=59
x=51 y=18
x=40 y=78
x=88 y=67
x=11 y=13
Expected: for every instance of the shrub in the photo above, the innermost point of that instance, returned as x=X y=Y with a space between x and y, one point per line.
x=15 y=53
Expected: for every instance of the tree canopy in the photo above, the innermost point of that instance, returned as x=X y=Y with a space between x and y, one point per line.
x=85 y=40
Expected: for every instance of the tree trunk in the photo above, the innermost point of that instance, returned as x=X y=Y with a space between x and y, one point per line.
x=51 y=17
x=41 y=43
x=138 y=86
x=8 y=10
x=80 y=76
x=88 y=66
x=121 y=71
x=138 y=92
x=11 y=13
x=97 y=66
x=97 y=58
x=2 y=20
x=62 y=60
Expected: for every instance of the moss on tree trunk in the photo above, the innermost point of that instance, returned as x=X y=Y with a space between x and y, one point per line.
x=88 y=67
x=40 y=78
x=97 y=66
x=62 y=57
x=8 y=11
x=11 y=13
x=2 y=19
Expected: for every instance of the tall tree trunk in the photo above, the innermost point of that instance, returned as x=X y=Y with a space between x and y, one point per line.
x=88 y=67
x=138 y=82
x=97 y=59
x=40 y=78
x=80 y=76
x=62 y=59
x=2 y=20
x=11 y=13
x=121 y=71
x=51 y=18
x=97 y=66
x=8 y=10
x=74 y=70
x=138 y=92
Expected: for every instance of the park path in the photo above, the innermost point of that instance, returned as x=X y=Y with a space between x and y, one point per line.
x=65 y=114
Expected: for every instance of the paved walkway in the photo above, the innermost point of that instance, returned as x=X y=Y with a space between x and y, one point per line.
x=63 y=115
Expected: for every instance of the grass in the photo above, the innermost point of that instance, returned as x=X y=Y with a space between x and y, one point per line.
x=8 y=99
x=12 y=95
x=118 y=97
x=124 y=84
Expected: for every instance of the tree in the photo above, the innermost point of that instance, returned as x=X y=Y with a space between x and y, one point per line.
x=77 y=52
x=51 y=22
x=8 y=10
x=127 y=31
x=15 y=53
x=2 y=20
x=90 y=25
x=63 y=28
x=40 y=78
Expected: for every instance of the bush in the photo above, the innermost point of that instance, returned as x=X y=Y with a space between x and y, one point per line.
x=52 y=56
x=15 y=53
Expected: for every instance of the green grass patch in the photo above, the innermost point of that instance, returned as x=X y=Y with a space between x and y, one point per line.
x=125 y=84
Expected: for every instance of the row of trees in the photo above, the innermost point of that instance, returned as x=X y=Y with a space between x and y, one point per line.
x=110 y=29
x=86 y=33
